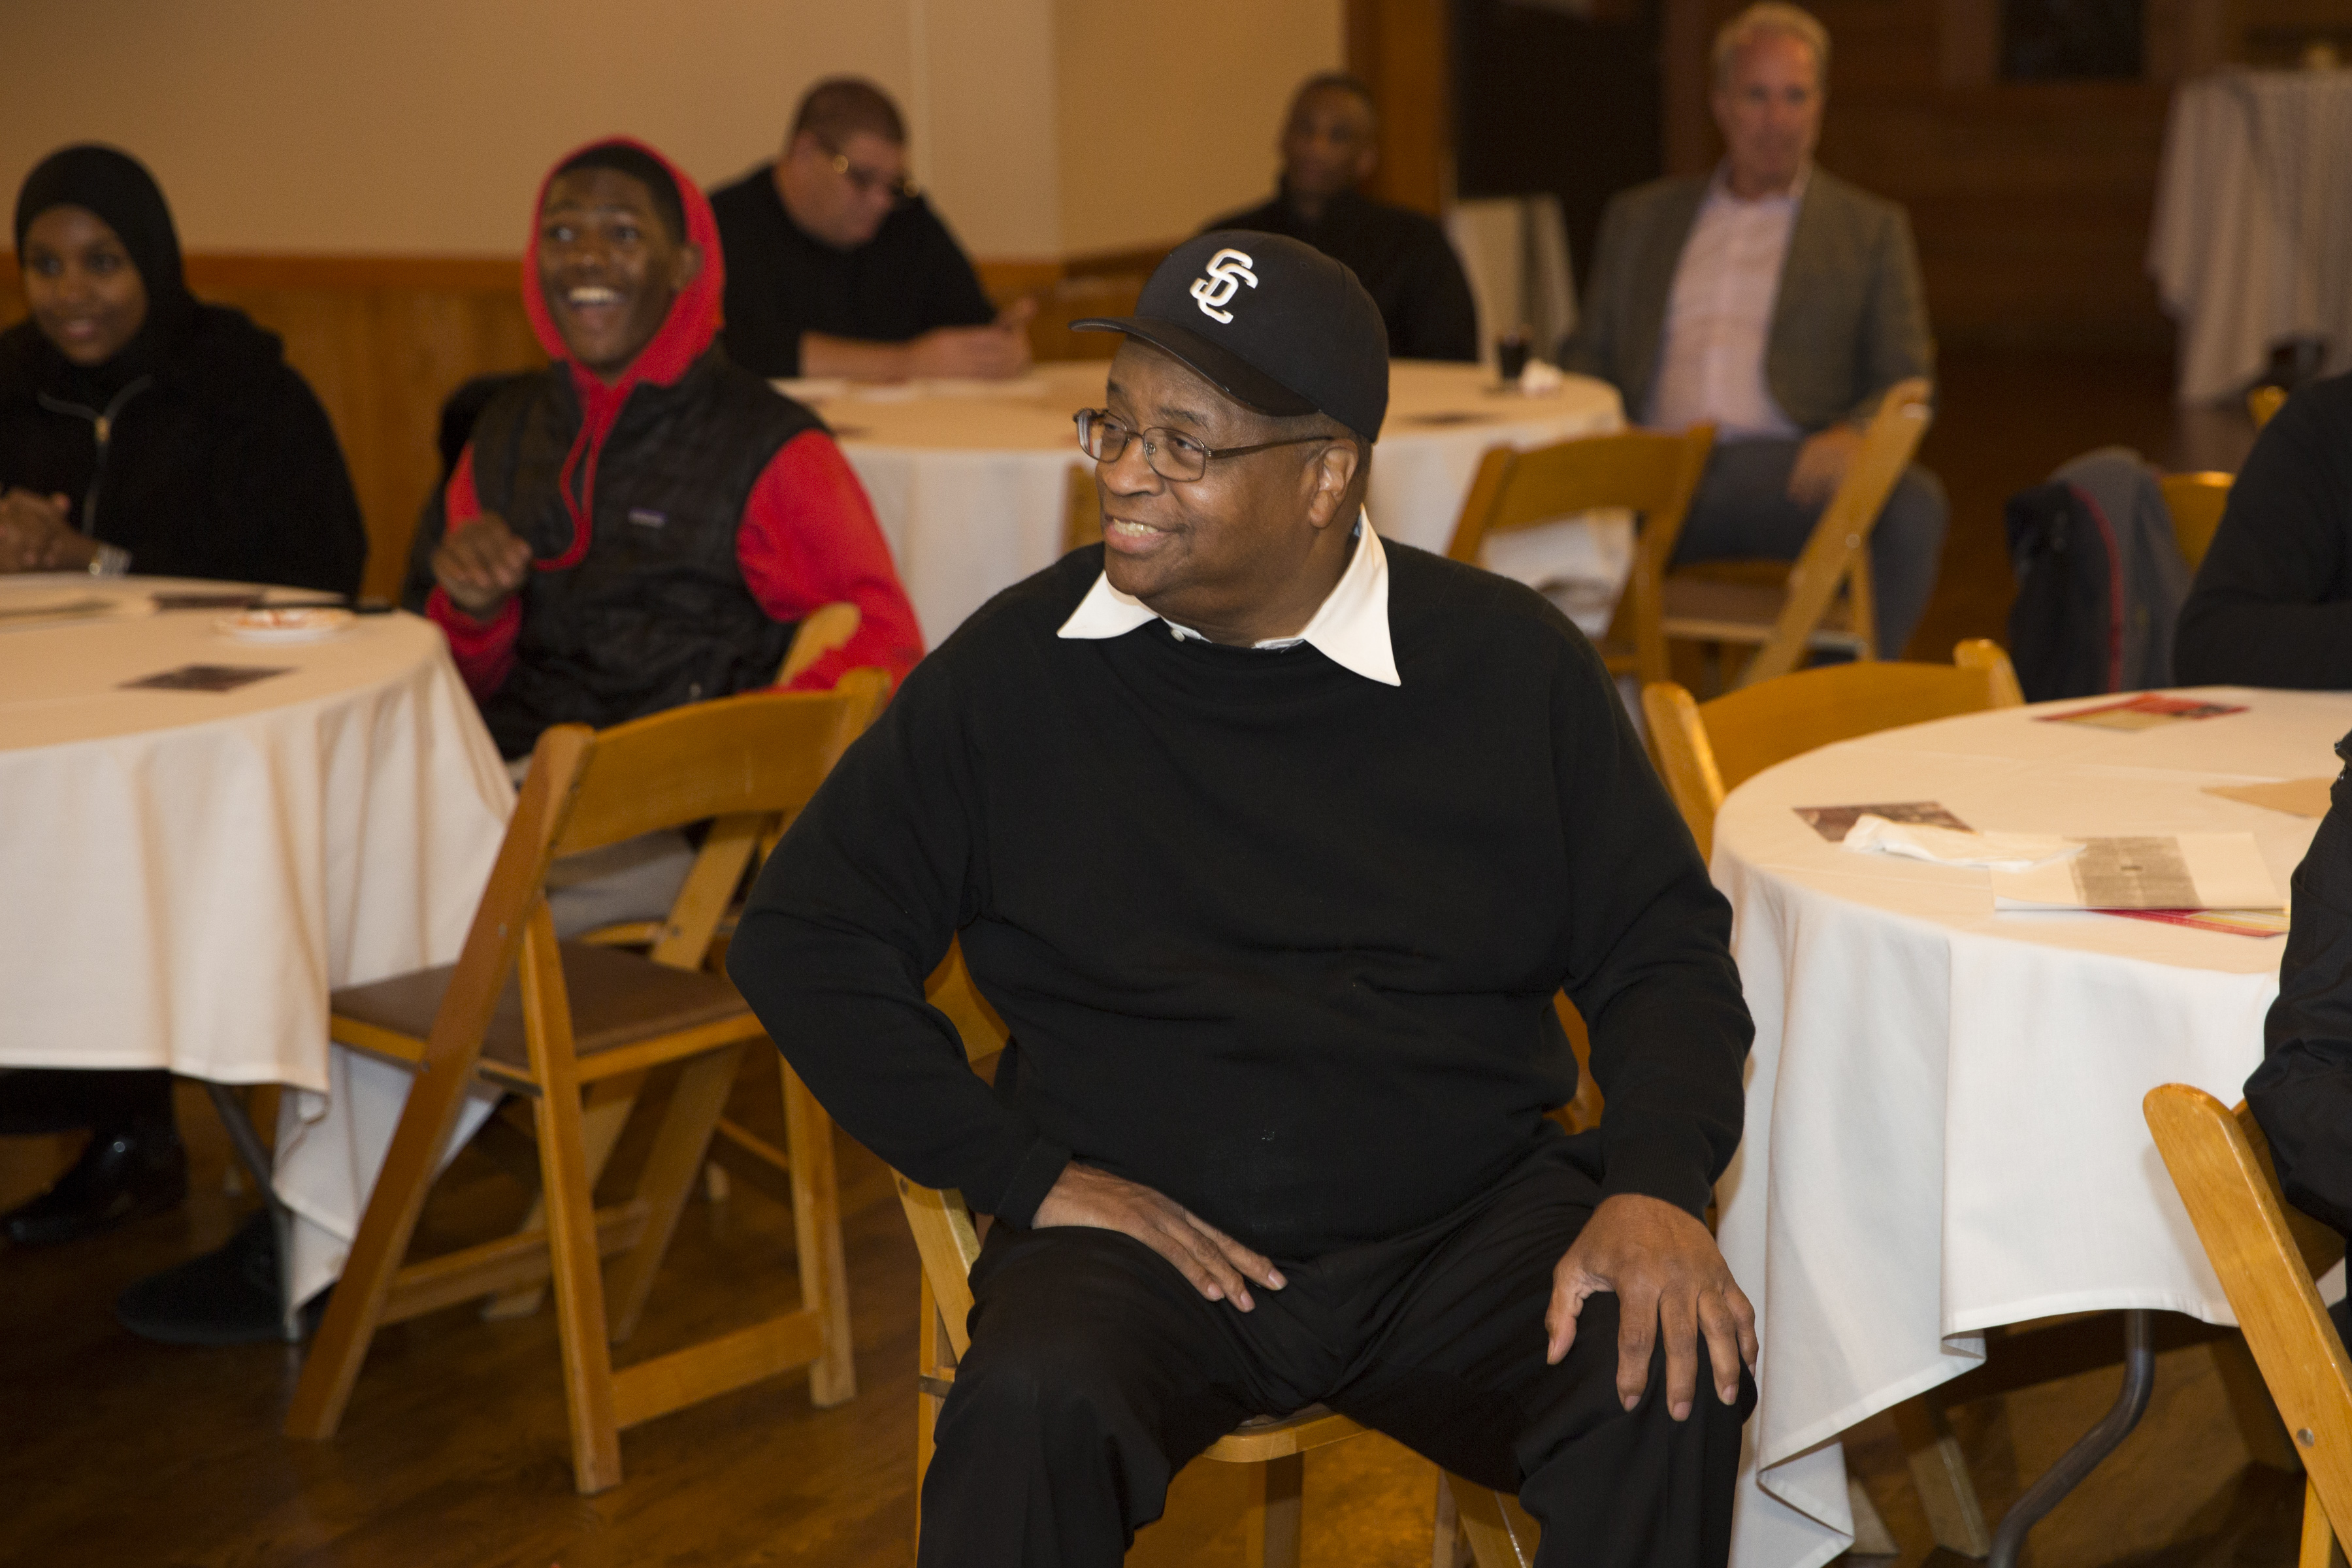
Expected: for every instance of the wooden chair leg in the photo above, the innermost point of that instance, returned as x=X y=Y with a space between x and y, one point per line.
x=934 y=1357
x=578 y=1280
x=1870 y=1536
x=607 y=1114
x=1501 y=1534
x=1940 y=1472
x=816 y=1238
x=699 y=1095
x=1448 y=1546
x=2319 y=1548
x=1271 y=1528
x=427 y=1121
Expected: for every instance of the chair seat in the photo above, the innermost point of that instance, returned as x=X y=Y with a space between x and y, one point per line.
x=1263 y=1437
x=618 y=999
x=1739 y=608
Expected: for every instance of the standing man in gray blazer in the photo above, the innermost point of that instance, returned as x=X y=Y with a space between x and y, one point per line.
x=1777 y=303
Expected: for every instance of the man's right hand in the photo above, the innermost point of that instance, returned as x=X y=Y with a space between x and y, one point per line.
x=1219 y=1268
x=481 y=565
x=994 y=352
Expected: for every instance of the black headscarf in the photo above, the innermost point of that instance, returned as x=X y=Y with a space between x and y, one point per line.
x=118 y=188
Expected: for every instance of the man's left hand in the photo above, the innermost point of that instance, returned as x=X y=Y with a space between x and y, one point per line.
x=1821 y=463
x=1667 y=1275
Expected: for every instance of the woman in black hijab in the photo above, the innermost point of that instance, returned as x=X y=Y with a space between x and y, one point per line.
x=142 y=431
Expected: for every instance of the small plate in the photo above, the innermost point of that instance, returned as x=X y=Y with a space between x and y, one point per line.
x=300 y=623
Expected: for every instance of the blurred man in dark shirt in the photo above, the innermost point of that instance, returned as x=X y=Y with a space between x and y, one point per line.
x=838 y=266
x=1401 y=256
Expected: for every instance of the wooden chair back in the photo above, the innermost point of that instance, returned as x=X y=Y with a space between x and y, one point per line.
x=1836 y=555
x=1705 y=749
x=822 y=629
x=2268 y=1255
x=2264 y=401
x=2196 y=502
x=1081 y=509
x=1651 y=474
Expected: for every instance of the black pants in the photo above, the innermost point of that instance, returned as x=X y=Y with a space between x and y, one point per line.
x=1097 y=1371
x=1742 y=510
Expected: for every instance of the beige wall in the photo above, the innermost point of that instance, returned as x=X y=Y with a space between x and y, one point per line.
x=1168 y=115
x=419 y=128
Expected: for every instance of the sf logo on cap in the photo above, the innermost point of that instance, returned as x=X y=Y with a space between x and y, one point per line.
x=1228 y=271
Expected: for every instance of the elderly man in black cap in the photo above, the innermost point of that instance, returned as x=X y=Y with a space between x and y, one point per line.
x=1272 y=843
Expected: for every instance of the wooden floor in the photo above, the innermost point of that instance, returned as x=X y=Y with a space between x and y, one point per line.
x=116 y=1451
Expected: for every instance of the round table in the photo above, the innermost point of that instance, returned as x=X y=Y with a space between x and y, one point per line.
x=970 y=479
x=190 y=872
x=1944 y=1128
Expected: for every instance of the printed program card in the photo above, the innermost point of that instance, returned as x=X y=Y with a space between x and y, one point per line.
x=2187 y=871
x=2145 y=711
x=1834 y=822
x=205 y=677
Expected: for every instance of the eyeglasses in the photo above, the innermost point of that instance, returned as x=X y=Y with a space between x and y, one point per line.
x=865 y=182
x=1170 y=455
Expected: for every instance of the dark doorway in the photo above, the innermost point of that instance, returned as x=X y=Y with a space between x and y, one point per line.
x=1550 y=101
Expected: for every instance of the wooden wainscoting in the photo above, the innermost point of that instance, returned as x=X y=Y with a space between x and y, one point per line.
x=384 y=339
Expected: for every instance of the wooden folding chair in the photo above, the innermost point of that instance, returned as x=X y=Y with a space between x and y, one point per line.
x=1082 y=510
x=1705 y=750
x=1823 y=602
x=2196 y=502
x=1652 y=475
x=2267 y=1255
x=1474 y=1524
x=550 y=1019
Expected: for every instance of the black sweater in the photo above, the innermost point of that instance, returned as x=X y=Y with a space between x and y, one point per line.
x=1276 y=940
x=2272 y=605
x=219 y=463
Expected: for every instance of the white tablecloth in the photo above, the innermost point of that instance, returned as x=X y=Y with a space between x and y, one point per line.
x=188 y=874
x=970 y=481
x=2253 y=239
x=1944 y=1129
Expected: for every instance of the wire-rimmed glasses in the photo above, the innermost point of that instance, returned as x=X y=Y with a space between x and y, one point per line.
x=1171 y=454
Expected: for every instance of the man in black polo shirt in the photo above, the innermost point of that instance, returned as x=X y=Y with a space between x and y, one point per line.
x=1272 y=843
x=836 y=267
x=1401 y=257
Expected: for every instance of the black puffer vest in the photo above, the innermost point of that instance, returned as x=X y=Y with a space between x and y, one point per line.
x=656 y=614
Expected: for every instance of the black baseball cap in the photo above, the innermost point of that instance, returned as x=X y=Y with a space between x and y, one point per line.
x=1275 y=324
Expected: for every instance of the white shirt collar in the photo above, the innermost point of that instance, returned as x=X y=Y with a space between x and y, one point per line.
x=1351 y=627
x=1718 y=188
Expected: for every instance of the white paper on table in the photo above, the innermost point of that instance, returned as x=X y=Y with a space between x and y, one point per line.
x=2184 y=871
x=1872 y=834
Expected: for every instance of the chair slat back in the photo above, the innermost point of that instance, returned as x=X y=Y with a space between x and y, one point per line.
x=2266 y=1261
x=762 y=753
x=1644 y=470
x=2196 y=502
x=822 y=629
x=1081 y=509
x=1841 y=536
x=940 y=1219
x=1704 y=751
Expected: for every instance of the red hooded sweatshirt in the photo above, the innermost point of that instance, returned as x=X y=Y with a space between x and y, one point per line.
x=807 y=537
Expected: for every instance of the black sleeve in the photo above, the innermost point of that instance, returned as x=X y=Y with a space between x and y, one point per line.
x=1439 y=321
x=852 y=912
x=952 y=296
x=1650 y=963
x=2302 y=1094
x=279 y=489
x=2269 y=605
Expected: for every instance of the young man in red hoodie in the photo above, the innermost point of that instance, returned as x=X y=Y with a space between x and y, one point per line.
x=638 y=527
x=644 y=524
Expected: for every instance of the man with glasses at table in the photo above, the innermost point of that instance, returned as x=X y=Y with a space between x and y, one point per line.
x=1272 y=842
x=838 y=266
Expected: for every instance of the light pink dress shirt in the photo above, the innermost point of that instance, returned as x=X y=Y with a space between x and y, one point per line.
x=1719 y=318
